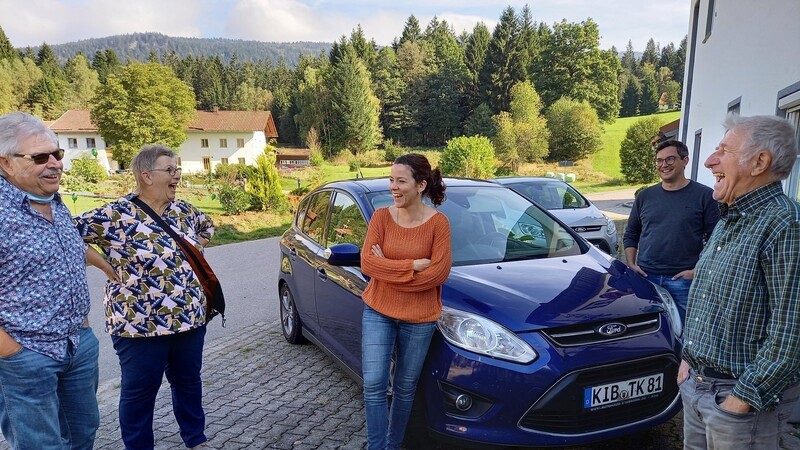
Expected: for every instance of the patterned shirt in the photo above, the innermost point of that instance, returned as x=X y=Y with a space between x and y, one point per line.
x=743 y=315
x=44 y=298
x=158 y=293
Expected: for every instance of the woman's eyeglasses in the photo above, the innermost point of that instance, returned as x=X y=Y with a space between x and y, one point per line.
x=172 y=171
x=42 y=158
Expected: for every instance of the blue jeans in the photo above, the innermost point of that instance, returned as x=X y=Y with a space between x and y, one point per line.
x=679 y=289
x=707 y=426
x=143 y=362
x=380 y=335
x=47 y=404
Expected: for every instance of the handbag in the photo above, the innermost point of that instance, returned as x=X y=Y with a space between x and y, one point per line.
x=215 y=299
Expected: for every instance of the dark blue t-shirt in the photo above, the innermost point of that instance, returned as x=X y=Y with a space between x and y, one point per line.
x=670 y=227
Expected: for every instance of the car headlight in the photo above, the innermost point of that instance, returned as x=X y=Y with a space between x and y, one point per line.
x=672 y=310
x=611 y=228
x=481 y=335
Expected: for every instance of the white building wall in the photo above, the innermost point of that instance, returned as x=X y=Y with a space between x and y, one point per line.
x=752 y=53
x=83 y=149
x=192 y=153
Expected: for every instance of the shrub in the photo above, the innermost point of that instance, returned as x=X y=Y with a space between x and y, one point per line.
x=89 y=169
x=471 y=157
x=636 y=152
x=353 y=164
x=575 y=131
x=265 y=186
x=71 y=183
x=229 y=173
x=234 y=200
x=315 y=157
x=390 y=150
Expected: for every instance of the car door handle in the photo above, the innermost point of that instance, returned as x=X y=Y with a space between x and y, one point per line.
x=322 y=274
x=293 y=251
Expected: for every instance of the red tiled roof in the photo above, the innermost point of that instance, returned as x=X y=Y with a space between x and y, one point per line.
x=73 y=120
x=285 y=151
x=79 y=120
x=234 y=121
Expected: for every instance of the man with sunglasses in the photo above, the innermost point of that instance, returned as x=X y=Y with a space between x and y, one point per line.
x=48 y=353
x=669 y=224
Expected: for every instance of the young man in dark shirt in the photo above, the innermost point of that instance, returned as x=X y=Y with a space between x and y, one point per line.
x=669 y=224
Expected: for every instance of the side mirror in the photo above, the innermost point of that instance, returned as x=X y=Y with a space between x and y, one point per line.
x=343 y=255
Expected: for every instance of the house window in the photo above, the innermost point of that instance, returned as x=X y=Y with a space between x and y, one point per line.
x=72 y=142
x=734 y=106
x=223 y=143
x=789 y=104
x=206 y=163
x=203 y=143
x=90 y=143
x=696 y=153
x=224 y=160
x=241 y=161
x=709 y=20
x=240 y=142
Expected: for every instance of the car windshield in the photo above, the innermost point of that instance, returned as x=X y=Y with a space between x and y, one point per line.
x=550 y=194
x=493 y=224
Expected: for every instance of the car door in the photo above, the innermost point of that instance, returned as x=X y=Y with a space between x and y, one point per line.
x=307 y=256
x=339 y=304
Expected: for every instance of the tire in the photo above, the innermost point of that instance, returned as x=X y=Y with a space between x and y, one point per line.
x=290 y=319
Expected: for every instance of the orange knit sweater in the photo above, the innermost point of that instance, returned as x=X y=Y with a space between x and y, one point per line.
x=394 y=289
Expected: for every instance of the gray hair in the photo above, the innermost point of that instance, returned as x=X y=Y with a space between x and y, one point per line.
x=771 y=133
x=15 y=127
x=145 y=160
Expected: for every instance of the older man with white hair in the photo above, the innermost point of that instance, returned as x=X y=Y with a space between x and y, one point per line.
x=48 y=353
x=741 y=358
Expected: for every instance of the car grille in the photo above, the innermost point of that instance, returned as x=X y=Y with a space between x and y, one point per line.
x=587 y=229
x=561 y=410
x=592 y=333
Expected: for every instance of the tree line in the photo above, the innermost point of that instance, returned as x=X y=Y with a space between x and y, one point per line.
x=538 y=91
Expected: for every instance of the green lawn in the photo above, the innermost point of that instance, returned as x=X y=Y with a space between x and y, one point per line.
x=607 y=159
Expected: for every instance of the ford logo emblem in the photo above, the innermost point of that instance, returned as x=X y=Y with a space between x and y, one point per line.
x=612 y=329
x=580 y=229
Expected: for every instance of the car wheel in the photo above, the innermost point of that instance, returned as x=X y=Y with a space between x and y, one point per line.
x=290 y=319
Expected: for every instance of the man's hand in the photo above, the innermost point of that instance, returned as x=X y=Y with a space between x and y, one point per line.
x=683 y=372
x=735 y=405
x=8 y=346
x=638 y=270
x=686 y=274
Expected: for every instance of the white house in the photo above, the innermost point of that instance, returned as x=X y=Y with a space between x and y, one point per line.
x=213 y=137
x=78 y=136
x=225 y=137
x=742 y=58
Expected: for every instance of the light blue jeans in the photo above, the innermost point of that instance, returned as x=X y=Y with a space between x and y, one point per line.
x=380 y=336
x=47 y=404
x=707 y=426
x=679 y=289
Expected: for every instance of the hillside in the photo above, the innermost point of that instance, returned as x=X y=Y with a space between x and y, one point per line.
x=137 y=46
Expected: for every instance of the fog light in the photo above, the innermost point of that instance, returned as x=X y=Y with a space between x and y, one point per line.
x=463 y=402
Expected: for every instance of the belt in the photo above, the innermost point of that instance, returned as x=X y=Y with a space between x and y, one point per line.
x=711 y=373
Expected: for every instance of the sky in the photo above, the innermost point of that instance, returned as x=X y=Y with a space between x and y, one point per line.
x=31 y=22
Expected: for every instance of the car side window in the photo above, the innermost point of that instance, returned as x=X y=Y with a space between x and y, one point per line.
x=347 y=225
x=314 y=221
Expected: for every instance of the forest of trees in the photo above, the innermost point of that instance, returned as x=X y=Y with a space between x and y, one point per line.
x=429 y=86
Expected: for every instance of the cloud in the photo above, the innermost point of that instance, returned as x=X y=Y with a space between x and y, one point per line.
x=283 y=21
x=55 y=22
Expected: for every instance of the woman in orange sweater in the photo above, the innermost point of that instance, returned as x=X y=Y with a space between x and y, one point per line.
x=407 y=255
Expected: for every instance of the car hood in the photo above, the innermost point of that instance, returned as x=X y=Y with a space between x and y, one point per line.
x=543 y=293
x=576 y=217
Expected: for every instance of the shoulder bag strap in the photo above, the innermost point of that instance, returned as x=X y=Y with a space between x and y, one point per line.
x=191 y=254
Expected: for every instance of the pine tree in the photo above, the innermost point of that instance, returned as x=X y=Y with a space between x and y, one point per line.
x=7 y=51
x=355 y=107
x=503 y=67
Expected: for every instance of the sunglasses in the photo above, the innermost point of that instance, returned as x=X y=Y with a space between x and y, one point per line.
x=42 y=158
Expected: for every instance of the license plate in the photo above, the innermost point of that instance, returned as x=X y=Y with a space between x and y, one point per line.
x=623 y=391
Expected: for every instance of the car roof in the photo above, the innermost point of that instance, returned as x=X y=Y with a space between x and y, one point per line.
x=504 y=180
x=382 y=183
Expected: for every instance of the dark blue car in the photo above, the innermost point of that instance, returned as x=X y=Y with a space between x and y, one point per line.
x=543 y=340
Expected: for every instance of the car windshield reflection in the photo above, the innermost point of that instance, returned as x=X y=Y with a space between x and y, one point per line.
x=496 y=225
